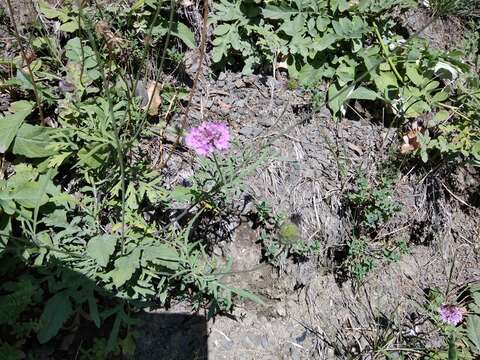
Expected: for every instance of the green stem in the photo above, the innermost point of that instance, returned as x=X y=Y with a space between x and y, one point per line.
x=219 y=169
x=27 y=63
x=118 y=143
x=387 y=53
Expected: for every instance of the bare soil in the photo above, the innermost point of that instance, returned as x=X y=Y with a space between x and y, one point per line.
x=309 y=313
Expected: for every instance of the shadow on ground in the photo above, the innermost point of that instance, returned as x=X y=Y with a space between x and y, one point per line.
x=176 y=336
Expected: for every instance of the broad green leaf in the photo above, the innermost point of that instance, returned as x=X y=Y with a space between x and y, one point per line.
x=125 y=267
x=50 y=12
x=69 y=27
x=440 y=96
x=79 y=54
x=362 y=93
x=10 y=123
x=181 y=31
x=295 y=27
x=56 y=312
x=101 y=248
x=439 y=117
x=30 y=195
x=278 y=12
x=32 y=141
x=473 y=330
x=337 y=96
x=414 y=75
x=163 y=255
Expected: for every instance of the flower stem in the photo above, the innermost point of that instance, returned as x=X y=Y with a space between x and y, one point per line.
x=219 y=169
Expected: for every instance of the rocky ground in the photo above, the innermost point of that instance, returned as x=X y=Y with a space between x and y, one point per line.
x=310 y=313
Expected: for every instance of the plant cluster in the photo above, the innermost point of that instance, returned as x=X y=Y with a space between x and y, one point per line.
x=360 y=51
x=372 y=205
x=281 y=238
x=456 y=315
x=94 y=226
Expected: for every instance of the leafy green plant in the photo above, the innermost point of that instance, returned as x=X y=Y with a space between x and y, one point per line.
x=461 y=340
x=373 y=205
x=82 y=207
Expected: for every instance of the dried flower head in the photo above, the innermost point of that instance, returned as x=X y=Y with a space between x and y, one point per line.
x=208 y=137
x=451 y=314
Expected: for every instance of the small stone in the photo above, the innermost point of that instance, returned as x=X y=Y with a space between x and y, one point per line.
x=221 y=83
x=250 y=131
x=280 y=309
x=222 y=76
x=264 y=342
x=228 y=345
x=239 y=83
x=250 y=79
x=266 y=121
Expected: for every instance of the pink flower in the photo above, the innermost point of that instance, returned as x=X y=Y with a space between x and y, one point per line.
x=451 y=314
x=208 y=137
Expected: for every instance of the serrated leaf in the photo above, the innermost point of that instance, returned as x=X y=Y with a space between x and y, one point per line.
x=56 y=312
x=101 y=248
x=11 y=123
x=32 y=141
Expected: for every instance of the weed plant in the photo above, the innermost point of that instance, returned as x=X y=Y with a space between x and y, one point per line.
x=94 y=229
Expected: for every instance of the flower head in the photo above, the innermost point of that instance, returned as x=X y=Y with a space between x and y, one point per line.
x=208 y=137
x=451 y=314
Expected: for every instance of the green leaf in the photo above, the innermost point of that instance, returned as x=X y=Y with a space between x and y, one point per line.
x=440 y=96
x=337 y=96
x=79 y=54
x=9 y=124
x=30 y=195
x=163 y=255
x=56 y=312
x=439 y=117
x=278 y=12
x=51 y=13
x=473 y=330
x=32 y=141
x=69 y=27
x=414 y=75
x=182 y=31
x=362 y=93
x=101 y=248
x=125 y=267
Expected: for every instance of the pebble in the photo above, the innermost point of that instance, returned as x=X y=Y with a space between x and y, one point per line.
x=280 y=309
x=250 y=131
x=239 y=83
x=266 y=121
x=222 y=76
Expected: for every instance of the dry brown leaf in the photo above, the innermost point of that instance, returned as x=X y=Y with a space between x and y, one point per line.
x=153 y=98
x=410 y=140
